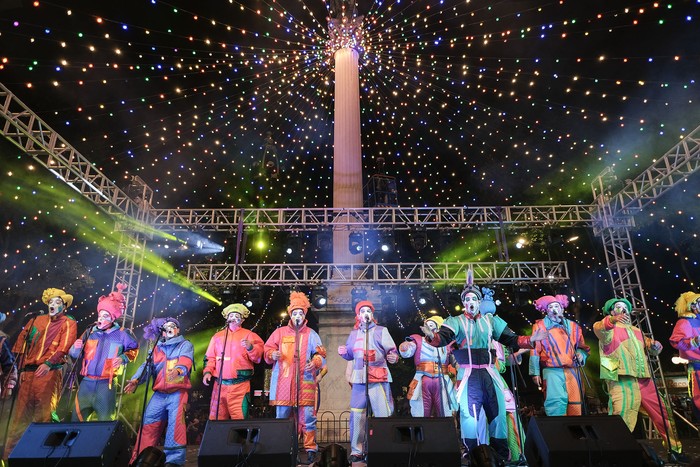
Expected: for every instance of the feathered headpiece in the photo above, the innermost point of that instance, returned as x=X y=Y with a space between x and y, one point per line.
x=470 y=287
x=683 y=304
x=297 y=301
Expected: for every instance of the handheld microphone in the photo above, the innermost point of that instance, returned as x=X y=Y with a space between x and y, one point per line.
x=367 y=319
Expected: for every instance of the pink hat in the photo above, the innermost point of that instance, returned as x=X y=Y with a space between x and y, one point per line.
x=543 y=302
x=114 y=303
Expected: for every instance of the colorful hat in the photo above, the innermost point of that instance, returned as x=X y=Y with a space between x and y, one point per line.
x=298 y=300
x=438 y=320
x=236 y=308
x=470 y=287
x=53 y=293
x=607 y=308
x=114 y=303
x=543 y=302
x=683 y=304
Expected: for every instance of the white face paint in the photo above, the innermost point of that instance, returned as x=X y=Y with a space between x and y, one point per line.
x=430 y=324
x=619 y=308
x=695 y=306
x=366 y=314
x=234 y=319
x=297 y=316
x=471 y=304
x=170 y=330
x=104 y=320
x=56 y=306
x=555 y=312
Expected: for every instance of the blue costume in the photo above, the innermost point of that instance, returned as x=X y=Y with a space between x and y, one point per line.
x=172 y=365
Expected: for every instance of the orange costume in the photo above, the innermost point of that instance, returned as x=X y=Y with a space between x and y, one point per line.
x=42 y=345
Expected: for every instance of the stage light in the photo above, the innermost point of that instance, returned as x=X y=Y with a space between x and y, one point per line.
x=386 y=241
x=324 y=239
x=358 y=294
x=254 y=298
x=356 y=243
x=424 y=296
x=451 y=299
x=319 y=296
x=388 y=302
x=419 y=238
x=292 y=247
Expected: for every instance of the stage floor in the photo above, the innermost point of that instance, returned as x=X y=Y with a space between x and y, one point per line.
x=691 y=447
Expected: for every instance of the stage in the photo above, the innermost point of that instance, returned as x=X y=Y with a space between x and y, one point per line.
x=691 y=447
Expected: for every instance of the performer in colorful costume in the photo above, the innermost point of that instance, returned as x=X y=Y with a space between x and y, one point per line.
x=625 y=370
x=241 y=349
x=42 y=346
x=431 y=392
x=556 y=363
x=474 y=333
x=173 y=357
x=280 y=352
x=686 y=338
x=504 y=359
x=380 y=350
x=105 y=352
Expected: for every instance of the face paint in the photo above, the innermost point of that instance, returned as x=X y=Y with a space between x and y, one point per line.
x=234 y=319
x=297 y=316
x=619 y=308
x=56 y=306
x=366 y=314
x=695 y=306
x=104 y=320
x=170 y=330
x=471 y=304
x=555 y=312
x=430 y=324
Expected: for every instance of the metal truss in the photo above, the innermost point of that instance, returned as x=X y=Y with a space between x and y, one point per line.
x=674 y=167
x=501 y=273
x=395 y=218
x=612 y=223
x=31 y=134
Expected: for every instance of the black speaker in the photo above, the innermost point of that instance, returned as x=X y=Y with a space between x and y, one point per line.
x=260 y=442
x=79 y=444
x=591 y=441
x=420 y=442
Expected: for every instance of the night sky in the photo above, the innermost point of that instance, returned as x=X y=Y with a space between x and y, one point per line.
x=519 y=102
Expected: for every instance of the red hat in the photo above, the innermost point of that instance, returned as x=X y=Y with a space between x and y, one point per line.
x=359 y=305
x=114 y=303
x=543 y=302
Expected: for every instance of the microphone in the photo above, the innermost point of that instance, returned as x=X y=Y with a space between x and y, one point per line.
x=34 y=313
x=367 y=319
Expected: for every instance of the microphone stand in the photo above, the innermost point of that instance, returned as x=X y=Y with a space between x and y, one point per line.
x=221 y=372
x=515 y=366
x=297 y=378
x=71 y=377
x=148 y=364
x=368 y=406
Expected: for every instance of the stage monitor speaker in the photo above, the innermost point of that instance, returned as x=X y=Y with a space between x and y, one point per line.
x=78 y=444
x=258 y=443
x=591 y=441
x=420 y=442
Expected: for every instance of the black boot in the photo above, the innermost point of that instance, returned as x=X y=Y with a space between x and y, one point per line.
x=500 y=445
